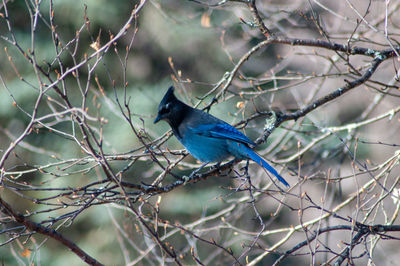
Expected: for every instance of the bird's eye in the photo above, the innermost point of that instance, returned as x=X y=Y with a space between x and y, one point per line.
x=165 y=109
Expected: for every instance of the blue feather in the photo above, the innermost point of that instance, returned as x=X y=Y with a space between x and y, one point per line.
x=206 y=137
x=222 y=131
x=255 y=157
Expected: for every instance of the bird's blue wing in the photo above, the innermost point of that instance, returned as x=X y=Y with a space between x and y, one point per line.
x=223 y=131
x=226 y=131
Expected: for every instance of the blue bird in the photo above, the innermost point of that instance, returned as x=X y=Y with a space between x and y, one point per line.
x=206 y=137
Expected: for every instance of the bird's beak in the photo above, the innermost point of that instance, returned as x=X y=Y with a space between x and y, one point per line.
x=157 y=119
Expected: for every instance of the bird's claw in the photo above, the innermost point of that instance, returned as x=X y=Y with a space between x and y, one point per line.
x=186 y=179
x=215 y=166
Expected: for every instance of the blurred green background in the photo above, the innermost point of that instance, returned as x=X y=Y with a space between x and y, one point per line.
x=174 y=39
x=168 y=29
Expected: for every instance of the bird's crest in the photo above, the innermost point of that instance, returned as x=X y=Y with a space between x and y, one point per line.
x=168 y=97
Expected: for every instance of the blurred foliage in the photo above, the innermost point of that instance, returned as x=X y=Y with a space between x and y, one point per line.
x=174 y=39
x=163 y=32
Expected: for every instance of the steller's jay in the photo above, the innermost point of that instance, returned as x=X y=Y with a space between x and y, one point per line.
x=206 y=137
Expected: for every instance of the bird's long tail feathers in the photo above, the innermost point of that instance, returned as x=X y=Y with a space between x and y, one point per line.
x=255 y=157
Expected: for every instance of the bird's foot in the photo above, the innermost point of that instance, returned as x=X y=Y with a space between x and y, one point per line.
x=215 y=166
x=186 y=178
x=192 y=175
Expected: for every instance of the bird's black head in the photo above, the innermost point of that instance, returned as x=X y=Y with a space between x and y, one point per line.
x=170 y=109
